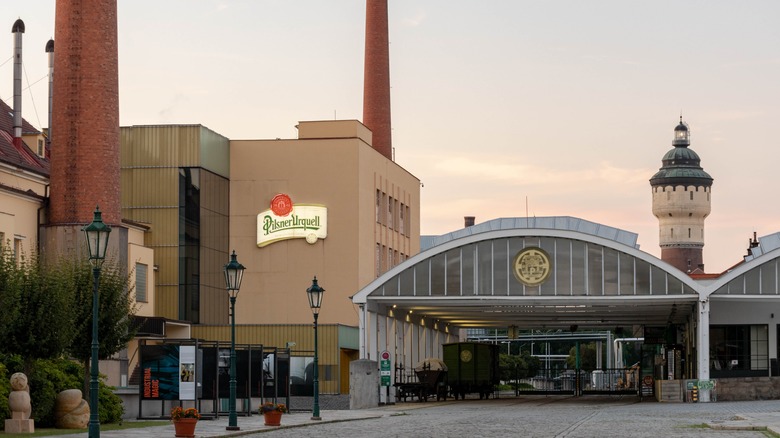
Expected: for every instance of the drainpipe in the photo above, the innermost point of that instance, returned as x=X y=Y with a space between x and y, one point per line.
x=17 y=30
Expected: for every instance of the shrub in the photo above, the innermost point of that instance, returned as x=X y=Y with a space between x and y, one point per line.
x=5 y=389
x=111 y=408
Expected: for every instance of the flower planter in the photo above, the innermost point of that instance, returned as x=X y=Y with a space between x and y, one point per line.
x=185 y=427
x=273 y=418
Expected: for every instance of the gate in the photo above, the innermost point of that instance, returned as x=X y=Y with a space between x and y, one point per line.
x=564 y=381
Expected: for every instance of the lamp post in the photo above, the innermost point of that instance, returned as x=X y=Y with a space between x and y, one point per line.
x=234 y=272
x=315 y=293
x=97 y=242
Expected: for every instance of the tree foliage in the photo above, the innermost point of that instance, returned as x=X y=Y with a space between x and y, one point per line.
x=587 y=357
x=517 y=366
x=36 y=317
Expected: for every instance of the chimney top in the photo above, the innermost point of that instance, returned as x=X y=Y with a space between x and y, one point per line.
x=18 y=26
x=50 y=46
x=468 y=221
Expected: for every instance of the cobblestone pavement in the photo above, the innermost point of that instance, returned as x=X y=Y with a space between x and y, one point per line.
x=541 y=416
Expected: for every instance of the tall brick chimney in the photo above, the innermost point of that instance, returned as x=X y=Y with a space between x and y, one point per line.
x=376 y=77
x=85 y=120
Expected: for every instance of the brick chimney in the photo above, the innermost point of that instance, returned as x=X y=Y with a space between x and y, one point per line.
x=376 y=78
x=85 y=120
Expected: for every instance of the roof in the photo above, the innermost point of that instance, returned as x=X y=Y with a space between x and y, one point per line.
x=567 y=223
x=22 y=157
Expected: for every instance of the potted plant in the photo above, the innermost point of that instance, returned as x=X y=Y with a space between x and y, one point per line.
x=184 y=421
x=272 y=412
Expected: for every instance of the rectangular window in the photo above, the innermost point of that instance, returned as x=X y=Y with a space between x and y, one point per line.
x=18 y=249
x=401 y=221
x=691 y=196
x=41 y=151
x=140 y=282
x=408 y=219
x=395 y=215
x=2 y=240
x=384 y=208
x=739 y=350
x=390 y=261
x=390 y=213
x=378 y=206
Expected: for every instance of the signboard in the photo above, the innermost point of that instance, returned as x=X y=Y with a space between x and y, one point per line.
x=384 y=368
x=285 y=220
x=161 y=372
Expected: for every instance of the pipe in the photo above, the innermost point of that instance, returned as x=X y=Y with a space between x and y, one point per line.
x=50 y=51
x=17 y=30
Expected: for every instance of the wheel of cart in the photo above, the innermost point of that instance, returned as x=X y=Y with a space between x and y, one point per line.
x=432 y=376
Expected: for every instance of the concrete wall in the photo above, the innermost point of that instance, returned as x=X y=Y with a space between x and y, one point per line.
x=363 y=384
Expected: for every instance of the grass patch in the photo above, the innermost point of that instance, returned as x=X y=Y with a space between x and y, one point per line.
x=103 y=427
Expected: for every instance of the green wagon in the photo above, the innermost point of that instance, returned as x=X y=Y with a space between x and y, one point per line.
x=472 y=368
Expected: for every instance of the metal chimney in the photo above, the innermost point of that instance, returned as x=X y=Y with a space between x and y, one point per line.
x=468 y=221
x=50 y=51
x=17 y=30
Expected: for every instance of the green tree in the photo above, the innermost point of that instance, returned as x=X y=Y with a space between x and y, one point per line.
x=587 y=357
x=115 y=310
x=517 y=367
x=36 y=320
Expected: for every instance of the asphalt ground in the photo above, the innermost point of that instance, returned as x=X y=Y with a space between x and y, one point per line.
x=525 y=416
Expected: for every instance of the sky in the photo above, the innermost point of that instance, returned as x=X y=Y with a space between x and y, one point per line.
x=499 y=107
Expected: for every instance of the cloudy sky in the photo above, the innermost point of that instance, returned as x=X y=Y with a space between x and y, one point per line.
x=499 y=107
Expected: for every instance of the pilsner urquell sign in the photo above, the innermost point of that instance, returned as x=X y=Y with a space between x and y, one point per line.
x=285 y=220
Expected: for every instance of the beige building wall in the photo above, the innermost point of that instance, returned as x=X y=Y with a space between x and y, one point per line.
x=139 y=255
x=681 y=211
x=21 y=198
x=333 y=164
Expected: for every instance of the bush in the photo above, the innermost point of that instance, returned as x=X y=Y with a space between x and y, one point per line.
x=47 y=379
x=5 y=389
x=111 y=407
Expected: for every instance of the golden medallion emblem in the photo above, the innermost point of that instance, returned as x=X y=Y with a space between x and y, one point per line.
x=532 y=266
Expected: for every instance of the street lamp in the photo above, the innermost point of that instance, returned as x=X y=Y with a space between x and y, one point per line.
x=234 y=272
x=315 y=293
x=97 y=242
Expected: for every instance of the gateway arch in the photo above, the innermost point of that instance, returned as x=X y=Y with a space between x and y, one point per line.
x=550 y=272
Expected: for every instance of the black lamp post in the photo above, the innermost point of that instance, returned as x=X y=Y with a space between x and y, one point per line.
x=315 y=293
x=234 y=272
x=97 y=242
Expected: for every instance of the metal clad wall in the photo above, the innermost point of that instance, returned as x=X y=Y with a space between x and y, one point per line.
x=278 y=336
x=214 y=251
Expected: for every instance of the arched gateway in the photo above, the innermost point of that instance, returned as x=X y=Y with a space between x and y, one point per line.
x=561 y=273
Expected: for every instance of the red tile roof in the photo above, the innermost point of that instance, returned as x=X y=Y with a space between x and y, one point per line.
x=21 y=156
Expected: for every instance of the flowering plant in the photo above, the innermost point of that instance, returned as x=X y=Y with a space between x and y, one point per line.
x=178 y=413
x=271 y=407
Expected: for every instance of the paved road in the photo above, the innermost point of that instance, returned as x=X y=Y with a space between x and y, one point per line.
x=540 y=416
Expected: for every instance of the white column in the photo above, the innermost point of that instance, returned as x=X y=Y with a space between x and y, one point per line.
x=703 y=346
x=372 y=322
x=381 y=346
x=362 y=330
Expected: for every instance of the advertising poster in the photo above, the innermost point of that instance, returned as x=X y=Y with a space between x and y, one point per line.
x=161 y=372
x=187 y=372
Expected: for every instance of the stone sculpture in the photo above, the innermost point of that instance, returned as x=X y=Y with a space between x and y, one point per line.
x=19 y=403
x=70 y=410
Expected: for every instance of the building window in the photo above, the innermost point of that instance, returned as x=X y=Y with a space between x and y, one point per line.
x=189 y=244
x=390 y=212
x=2 y=240
x=408 y=221
x=691 y=196
x=390 y=262
x=140 y=282
x=18 y=249
x=401 y=221
x=739 y=350
x=41 y=151
x=378 y=206
x=689 y=233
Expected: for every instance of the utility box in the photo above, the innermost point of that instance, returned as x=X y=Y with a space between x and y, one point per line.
x=363 y=384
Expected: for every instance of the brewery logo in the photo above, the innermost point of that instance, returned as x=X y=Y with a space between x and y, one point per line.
x=281 y=205
x=532 y=266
